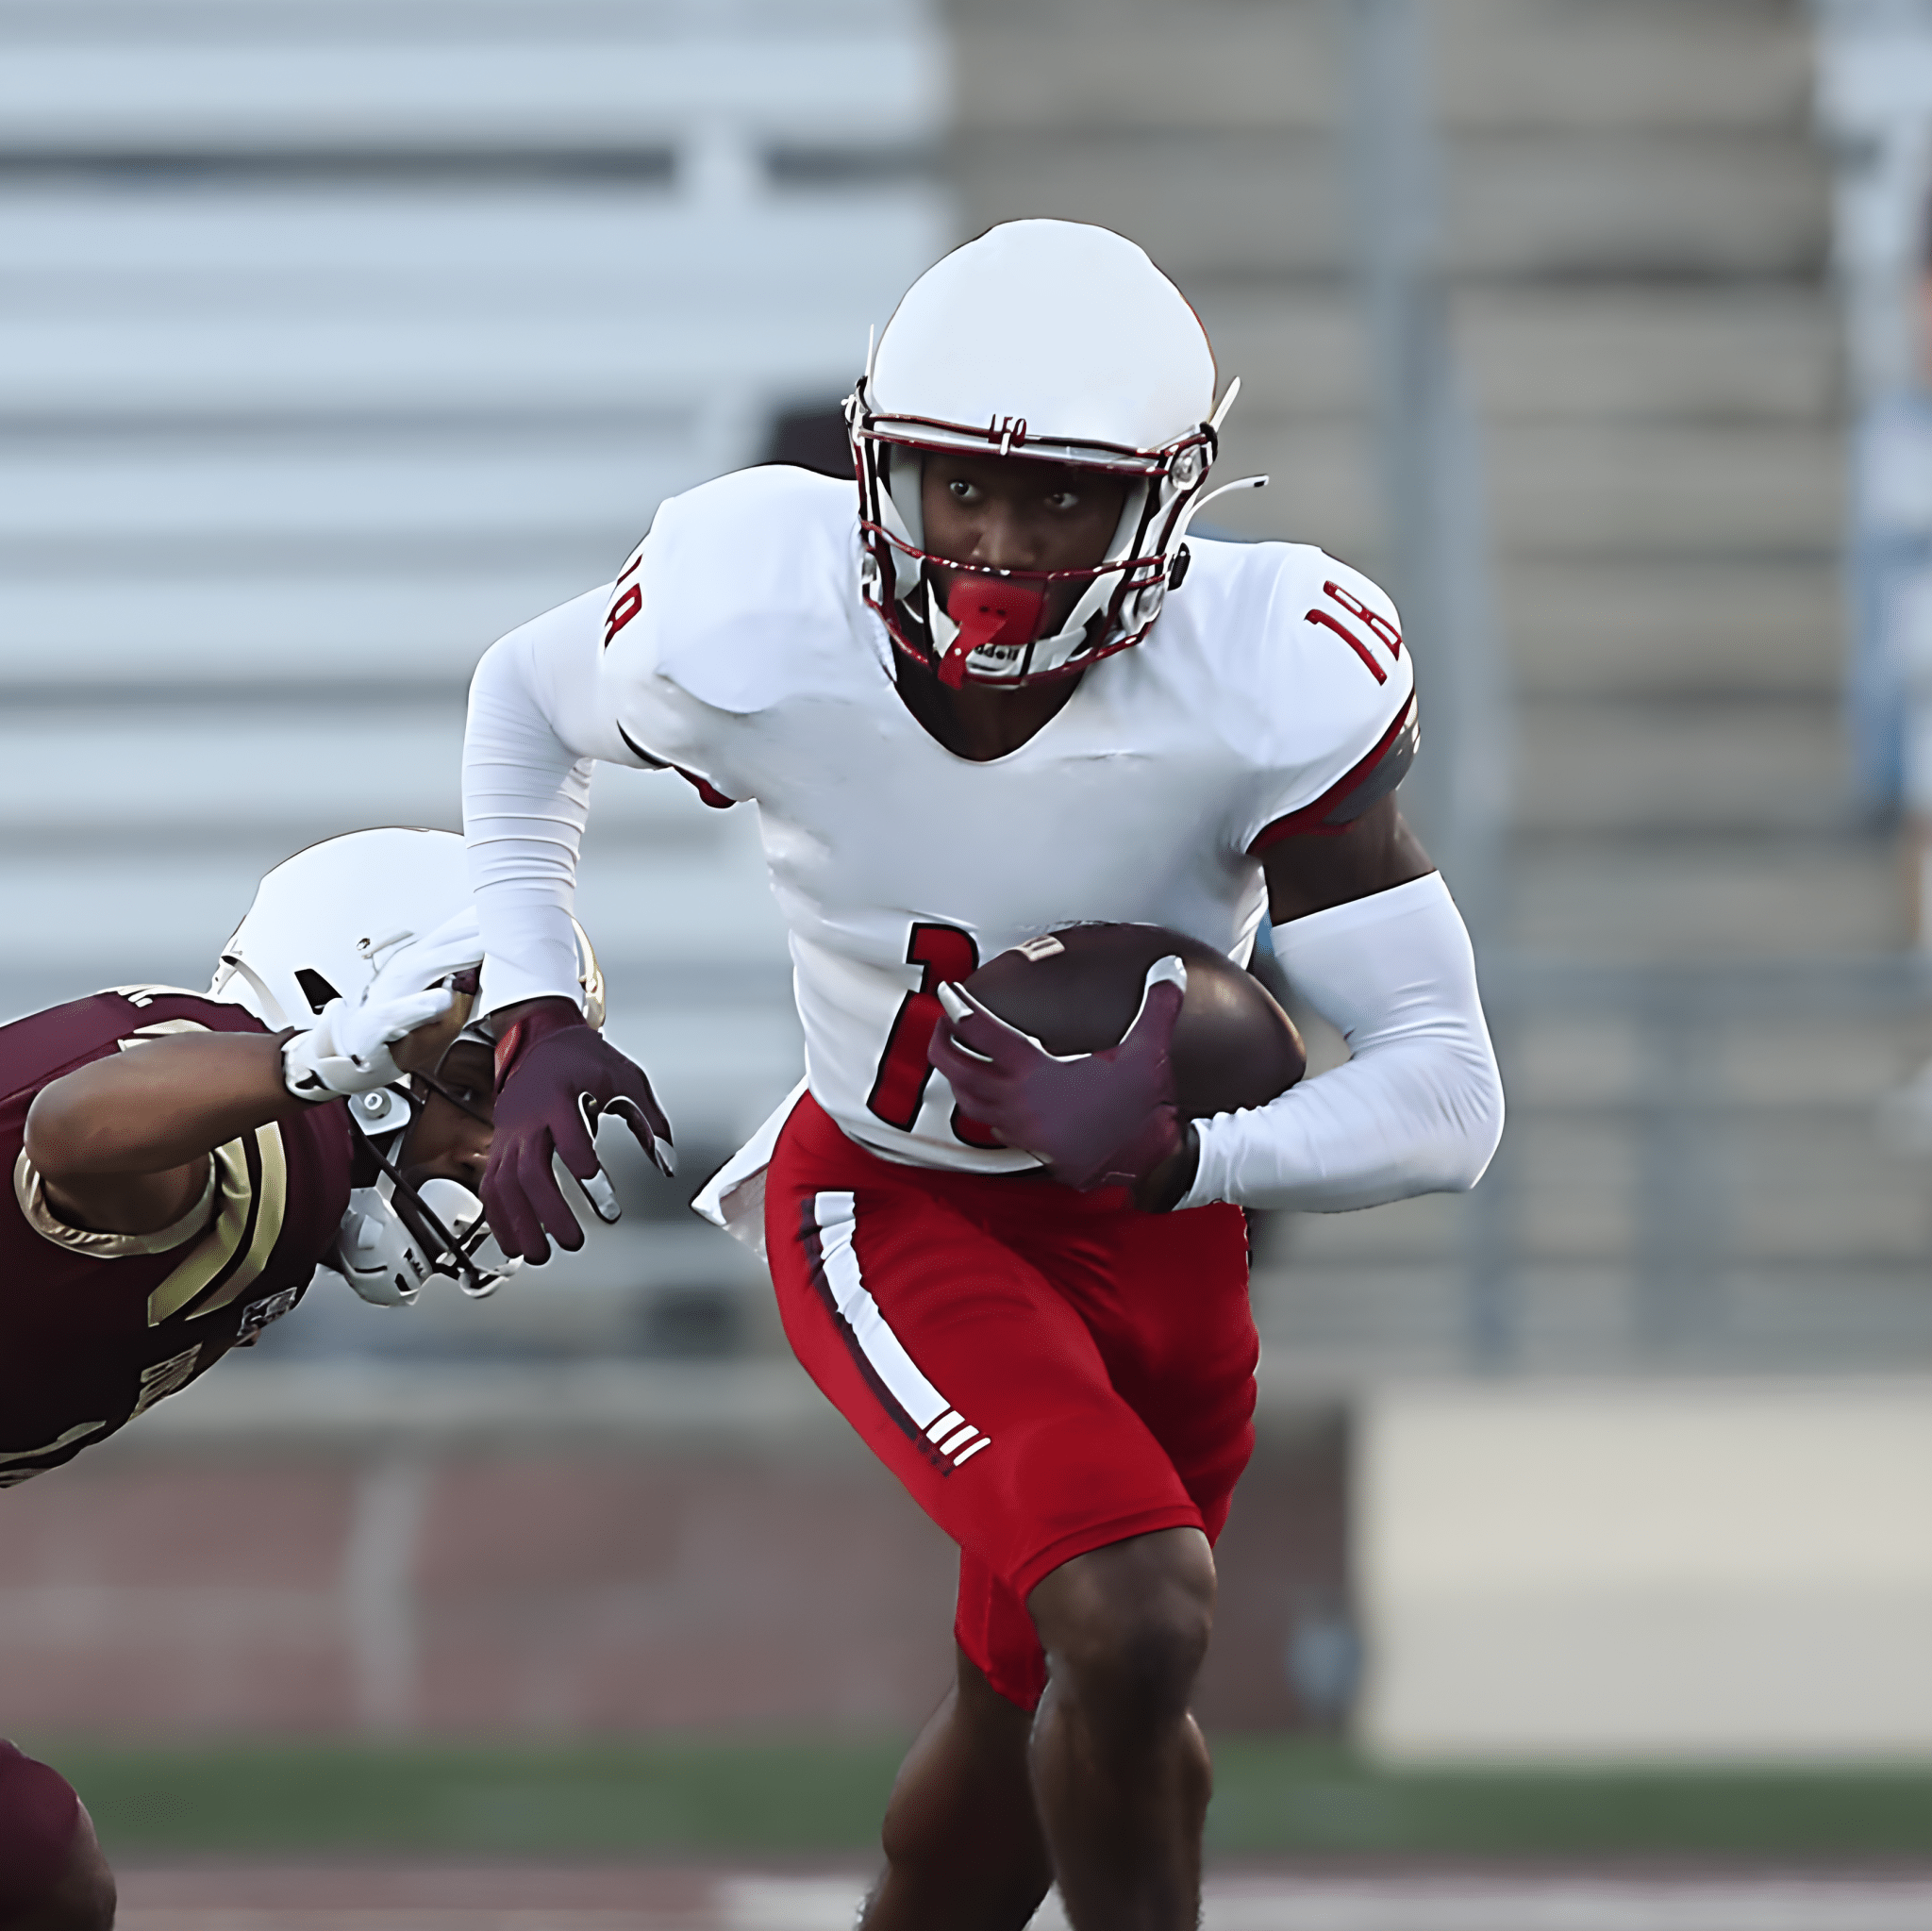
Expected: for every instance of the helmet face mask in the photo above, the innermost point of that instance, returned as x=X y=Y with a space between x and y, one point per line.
x=1119 y=597
x=1053 y=342
x=398 y=1233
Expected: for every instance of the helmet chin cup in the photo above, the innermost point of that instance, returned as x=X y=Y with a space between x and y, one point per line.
x=375 y=1255
x=997 y=612
x=398 y=1233
x=461 y=1212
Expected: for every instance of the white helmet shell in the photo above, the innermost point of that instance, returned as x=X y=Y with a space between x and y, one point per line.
x=1054 y=340
x=1067 y=329
x=322 y=920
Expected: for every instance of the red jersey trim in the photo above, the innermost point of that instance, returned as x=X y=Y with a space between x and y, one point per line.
x=703 y=787
x=1327 y=817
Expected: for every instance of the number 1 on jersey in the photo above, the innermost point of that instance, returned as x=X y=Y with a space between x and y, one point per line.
x=945 y=954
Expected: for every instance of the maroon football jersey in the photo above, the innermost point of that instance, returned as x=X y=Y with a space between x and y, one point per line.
x=95 y=1329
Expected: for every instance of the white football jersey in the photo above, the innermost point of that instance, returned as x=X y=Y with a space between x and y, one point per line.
x=1273 y=694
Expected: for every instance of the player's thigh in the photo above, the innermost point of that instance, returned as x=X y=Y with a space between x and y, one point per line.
x=1165 y=1297
x=965 y=1370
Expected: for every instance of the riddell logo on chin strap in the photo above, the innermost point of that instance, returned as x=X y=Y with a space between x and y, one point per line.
x=993 y=613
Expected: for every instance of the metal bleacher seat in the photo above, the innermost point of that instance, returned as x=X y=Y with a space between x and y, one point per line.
x=338 y=340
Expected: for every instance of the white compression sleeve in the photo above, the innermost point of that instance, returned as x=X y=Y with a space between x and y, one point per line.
x=535 y=727
x=1418 y=1109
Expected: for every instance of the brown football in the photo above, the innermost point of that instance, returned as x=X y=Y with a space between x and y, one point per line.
x=1077 y=991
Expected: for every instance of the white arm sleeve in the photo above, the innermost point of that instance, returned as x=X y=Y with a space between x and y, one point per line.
x=1418 y=1109
x=536 y=722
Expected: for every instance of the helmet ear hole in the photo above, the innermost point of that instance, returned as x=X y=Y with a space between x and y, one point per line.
x=315 y=988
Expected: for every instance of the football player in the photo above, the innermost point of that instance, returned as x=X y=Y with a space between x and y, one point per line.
x=997 y=693
x=182 y=1162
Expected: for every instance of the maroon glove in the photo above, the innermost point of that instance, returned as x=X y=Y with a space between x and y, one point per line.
x=555 y=1076
x=1102 y=1119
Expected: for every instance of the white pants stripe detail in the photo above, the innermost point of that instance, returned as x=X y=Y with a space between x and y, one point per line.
x=836 y=1215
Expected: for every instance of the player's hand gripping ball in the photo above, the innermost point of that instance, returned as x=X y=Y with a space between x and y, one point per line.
x=1093 y=1047
x=556 y=1078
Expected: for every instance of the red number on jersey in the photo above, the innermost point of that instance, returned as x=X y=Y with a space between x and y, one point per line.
x=1386 y=633
x=622 y=611
x=946 y=953
x=627 y=607
x=1391 y=637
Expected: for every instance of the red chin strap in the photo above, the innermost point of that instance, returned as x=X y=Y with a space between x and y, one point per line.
x=988 y=609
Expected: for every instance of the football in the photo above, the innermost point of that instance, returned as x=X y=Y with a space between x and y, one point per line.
x=1077 y=990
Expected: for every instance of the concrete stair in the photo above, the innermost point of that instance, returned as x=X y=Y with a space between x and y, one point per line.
x=1697 y=991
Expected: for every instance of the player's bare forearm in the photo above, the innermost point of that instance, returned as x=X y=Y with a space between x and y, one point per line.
x=1317 y=870
x=158 y=1104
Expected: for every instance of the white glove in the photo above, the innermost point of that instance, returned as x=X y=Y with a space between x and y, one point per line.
x=347 y=1049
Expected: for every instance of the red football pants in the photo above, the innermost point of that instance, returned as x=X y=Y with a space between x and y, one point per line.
x=1046 y=1371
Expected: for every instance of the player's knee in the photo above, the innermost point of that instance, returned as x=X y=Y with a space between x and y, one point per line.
x=1126 y=1627
x=1141 y=1657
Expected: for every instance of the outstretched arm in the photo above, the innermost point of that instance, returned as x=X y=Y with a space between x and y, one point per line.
x=121 y=1145
x=537 y=722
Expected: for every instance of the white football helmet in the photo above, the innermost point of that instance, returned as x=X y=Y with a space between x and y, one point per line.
x=320 y=924
x=1043 y=339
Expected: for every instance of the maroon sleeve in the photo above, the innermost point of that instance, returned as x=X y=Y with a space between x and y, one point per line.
x=94 y=1329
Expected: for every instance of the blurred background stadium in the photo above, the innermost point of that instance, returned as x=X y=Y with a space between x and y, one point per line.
x=337 y=339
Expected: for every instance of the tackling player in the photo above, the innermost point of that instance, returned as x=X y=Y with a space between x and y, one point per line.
x=1023 y=1280
x=181 y=1164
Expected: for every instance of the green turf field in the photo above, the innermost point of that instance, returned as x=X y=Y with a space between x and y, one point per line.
x=674 y=1796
